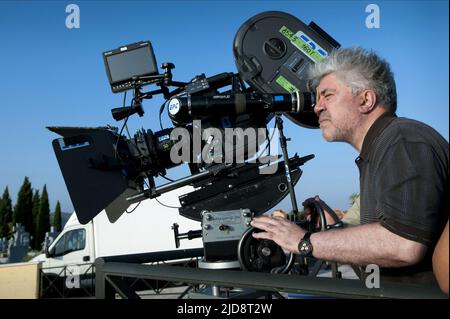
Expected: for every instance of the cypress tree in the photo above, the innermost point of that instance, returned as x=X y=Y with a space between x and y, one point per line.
x=24 y=205
x=6 y=214
x=35 y=213
x=57 y=217
x=43 y=218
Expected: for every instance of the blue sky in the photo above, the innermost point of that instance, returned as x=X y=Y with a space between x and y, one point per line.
x=54 y=76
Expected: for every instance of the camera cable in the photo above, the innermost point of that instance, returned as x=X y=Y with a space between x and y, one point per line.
x=162 y=204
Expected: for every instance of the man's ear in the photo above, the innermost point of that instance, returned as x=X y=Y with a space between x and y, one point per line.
x=368 y=101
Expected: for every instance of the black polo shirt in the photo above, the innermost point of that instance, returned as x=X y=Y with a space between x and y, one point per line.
x=404 y=169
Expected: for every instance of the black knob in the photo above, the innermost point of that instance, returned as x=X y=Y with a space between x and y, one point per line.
x=168 y=65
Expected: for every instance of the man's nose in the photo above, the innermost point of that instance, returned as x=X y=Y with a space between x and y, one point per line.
x=320 y=106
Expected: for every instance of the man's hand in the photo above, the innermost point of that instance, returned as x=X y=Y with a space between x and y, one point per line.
x=282 y=231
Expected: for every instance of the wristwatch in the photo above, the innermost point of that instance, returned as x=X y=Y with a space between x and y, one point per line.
x=305 y=247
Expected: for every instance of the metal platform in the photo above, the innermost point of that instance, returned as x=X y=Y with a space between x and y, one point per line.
x=113 y=274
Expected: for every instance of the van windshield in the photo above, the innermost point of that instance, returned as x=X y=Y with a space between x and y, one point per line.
x=71 y=241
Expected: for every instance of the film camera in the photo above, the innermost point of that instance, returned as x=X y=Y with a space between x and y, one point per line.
x=103 y=169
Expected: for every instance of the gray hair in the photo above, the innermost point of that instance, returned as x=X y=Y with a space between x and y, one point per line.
x=359 y=69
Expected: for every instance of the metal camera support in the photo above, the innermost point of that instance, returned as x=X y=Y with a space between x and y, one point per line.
x=283 y=142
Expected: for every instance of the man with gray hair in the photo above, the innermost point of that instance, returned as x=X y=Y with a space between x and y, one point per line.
x=404 y=168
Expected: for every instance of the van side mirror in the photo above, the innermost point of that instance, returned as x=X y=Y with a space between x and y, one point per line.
x=49 y=252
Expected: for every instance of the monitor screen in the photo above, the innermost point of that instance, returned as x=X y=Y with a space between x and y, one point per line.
x=124 y=65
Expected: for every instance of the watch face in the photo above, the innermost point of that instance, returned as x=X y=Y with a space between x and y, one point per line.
x=304 y=248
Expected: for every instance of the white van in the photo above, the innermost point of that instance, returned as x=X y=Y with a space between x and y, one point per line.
x=146 y=229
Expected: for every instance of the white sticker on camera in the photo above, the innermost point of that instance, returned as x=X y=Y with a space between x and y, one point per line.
x=174 y=106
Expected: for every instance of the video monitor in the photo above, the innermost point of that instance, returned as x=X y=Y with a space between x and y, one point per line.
x=126 y=62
